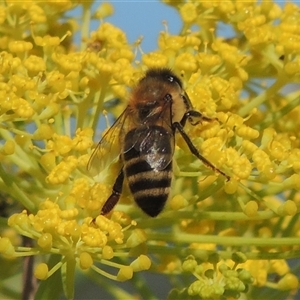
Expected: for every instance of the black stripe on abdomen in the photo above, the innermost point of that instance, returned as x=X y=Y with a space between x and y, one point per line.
x=149 y=180
x=136 y=165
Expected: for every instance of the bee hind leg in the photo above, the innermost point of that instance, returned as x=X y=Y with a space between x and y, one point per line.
x=115 y=195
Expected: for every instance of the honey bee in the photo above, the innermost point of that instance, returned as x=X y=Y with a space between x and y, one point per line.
x=145 y=133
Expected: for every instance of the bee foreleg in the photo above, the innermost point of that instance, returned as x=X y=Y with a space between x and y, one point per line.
x=194 y=150
x=115 y=195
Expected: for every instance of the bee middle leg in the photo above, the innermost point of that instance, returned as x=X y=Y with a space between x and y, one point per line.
x=195 y=151
x=115 y=195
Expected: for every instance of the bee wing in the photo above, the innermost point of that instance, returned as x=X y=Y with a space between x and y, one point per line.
x=109 y=146
x=156 y=142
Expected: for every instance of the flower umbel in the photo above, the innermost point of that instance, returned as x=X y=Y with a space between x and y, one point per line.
x=216 y=239
x=56 y=231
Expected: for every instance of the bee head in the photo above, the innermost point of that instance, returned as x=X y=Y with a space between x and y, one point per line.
x=163 y=74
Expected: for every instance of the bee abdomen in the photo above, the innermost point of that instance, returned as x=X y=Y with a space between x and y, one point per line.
x=150 y=188
x=149 y=182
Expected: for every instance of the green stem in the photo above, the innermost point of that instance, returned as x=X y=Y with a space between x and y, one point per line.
x=262 y=97
x=14 y=190
x=183 y=252
x=68 y=275
x=82 y=112
x=111 y=263
x=291 y=225
x=85 y=28
x=103 y=273
x=58 y=124
x=99 y=103
x=24 y=160
x=273 y=117
x=223 y=240
x=172 y=217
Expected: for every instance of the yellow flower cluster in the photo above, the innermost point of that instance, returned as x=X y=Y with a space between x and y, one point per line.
x=57 y=231
x=51 y=100
x=230 y=235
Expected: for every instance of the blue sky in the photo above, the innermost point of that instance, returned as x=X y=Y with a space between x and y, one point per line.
x=145 y=18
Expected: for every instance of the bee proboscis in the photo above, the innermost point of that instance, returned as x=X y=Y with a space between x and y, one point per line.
x=143 y=137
